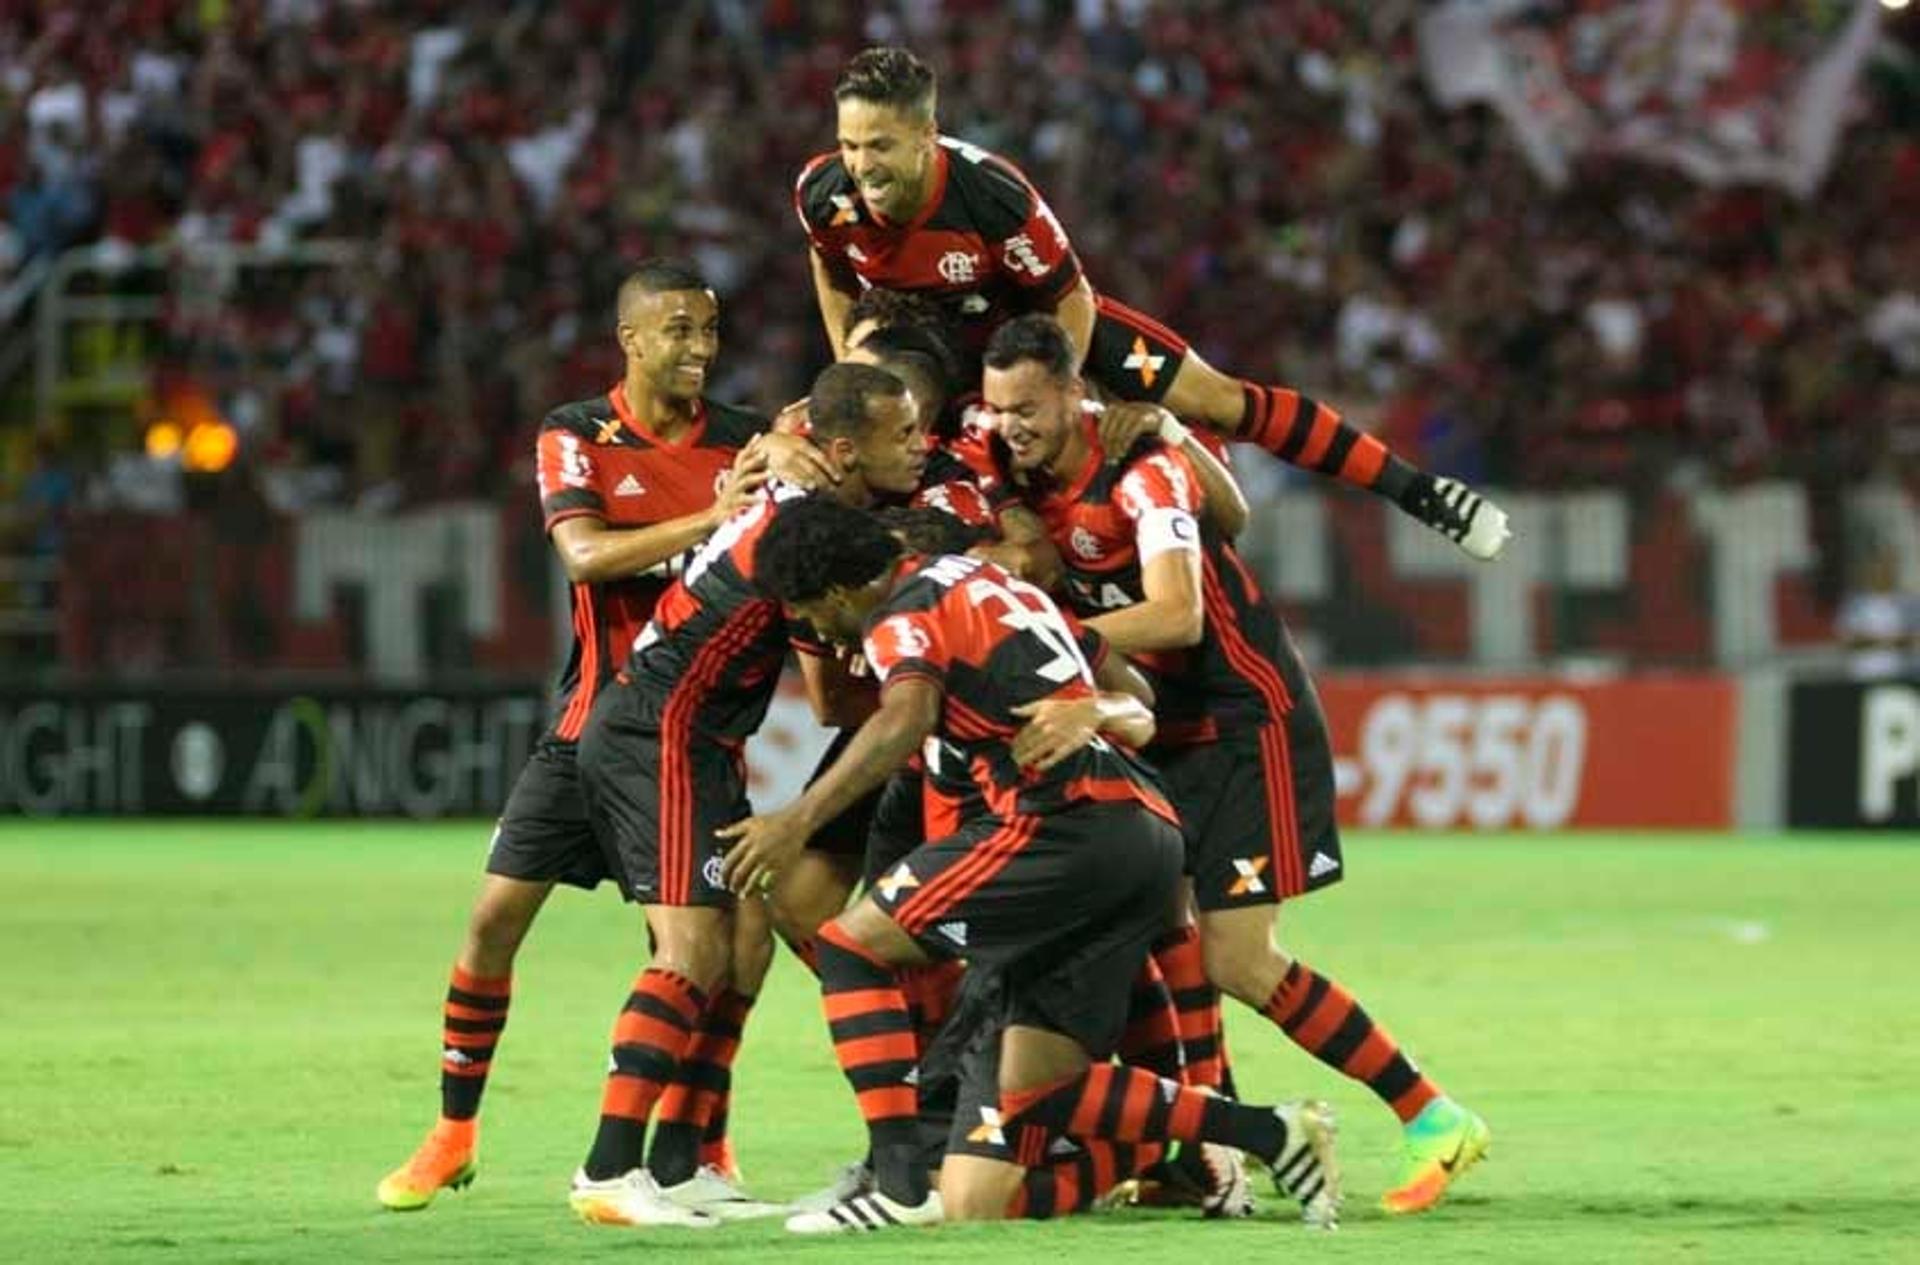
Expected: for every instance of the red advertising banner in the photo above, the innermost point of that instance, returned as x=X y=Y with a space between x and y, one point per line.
x=1533 y=753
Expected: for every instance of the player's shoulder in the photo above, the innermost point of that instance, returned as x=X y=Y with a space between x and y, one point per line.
x=824 y=192
x=997 y=195
x=930 y=580
x=732 y=425
x=579 y=417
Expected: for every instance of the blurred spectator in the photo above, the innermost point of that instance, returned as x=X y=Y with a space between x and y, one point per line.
x=1271 y=179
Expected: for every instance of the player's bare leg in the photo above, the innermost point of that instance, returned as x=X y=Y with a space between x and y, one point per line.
x=1443 y=1139
x=813 y=889
x=692 y=948
x=1201 y=393
x=475 y=1015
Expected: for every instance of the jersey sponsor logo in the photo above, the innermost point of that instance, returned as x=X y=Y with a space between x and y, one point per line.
x=1250 y=869
x=1103 y=595
x=710 y=872
x=629 y=486
x=844 y=211
x=1143 y=362
x=608 y=432
x=899 y=881
x=1322 y=866
x=1085 y=544
x=1021 y=257
x=959 y=267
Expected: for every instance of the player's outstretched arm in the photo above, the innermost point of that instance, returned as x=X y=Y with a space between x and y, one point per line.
x=1058 y=727
x=763 y=845
x=592 y=552
x=1124 y=422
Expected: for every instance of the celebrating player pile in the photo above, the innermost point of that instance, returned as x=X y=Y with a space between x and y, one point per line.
x=1076 y=813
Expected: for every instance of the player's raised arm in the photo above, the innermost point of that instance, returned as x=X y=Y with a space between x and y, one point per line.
x=835 y=302
x=1223 y=503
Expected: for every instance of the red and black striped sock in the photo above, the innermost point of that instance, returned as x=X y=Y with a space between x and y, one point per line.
x=1152 y=1038
x=1324 y=1020
x=474 y=1018
x=715 y=1146
x=1072 y=1183
x=650 y=1036
x=1125 y=1104
x=1196 y=1004
x=1301 y=431
x=700 y=1084
x=873 y=1039
x=929 y=991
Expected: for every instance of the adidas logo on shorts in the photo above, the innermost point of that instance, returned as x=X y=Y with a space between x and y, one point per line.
x=1322 y=866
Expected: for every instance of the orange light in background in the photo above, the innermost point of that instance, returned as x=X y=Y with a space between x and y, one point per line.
x=211 y=447
x=163 y=440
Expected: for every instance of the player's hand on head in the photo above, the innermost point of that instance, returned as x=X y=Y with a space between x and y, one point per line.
x=1055 y=729
x=1125 y=423
x=744 y=478
x=795 y=460
x=1459 y=513
x=758 y=850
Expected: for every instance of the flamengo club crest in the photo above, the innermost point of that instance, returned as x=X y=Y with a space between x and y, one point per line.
x=1084 y=543
x=958 y=267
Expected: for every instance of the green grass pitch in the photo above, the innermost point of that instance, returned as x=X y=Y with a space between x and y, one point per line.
x=215 y=1038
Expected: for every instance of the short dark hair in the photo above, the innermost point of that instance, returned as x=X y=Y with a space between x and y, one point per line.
x=659 y=275
x=917 y=350
x=1036 y=337
x=892 y=77
x=817 y=544
x=840 y=406
x=931 y=531
x=886 y=306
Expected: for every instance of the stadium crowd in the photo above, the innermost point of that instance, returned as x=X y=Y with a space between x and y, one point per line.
x=1271 y=179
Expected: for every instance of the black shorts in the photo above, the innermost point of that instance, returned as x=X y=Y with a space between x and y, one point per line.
x=898 y=825
x=1257 y=808
x=1063 y=906
x=846 y=835
x=543 y=835
x=654 y=805
x=1131 y=355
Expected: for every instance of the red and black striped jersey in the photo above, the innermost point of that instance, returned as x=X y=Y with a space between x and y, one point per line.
x=709 y=661
x=986 y=246
x=1114 y=518
x=593 y=458
x=993 y=643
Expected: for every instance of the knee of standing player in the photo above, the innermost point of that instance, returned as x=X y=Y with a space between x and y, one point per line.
x=498 y=925
x=752 y=947
x=703 y=957
x=1240 y=958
